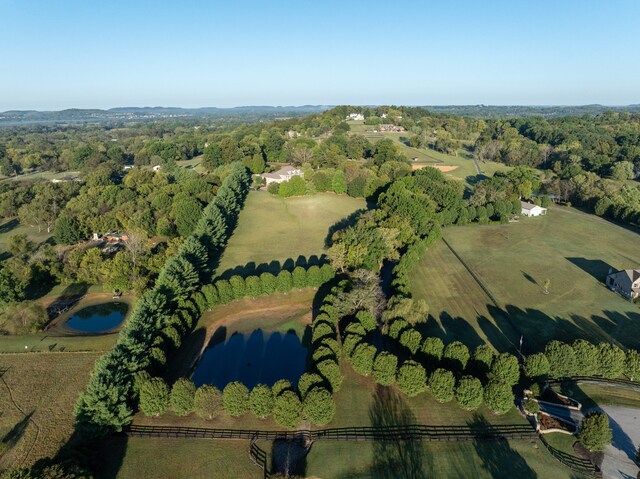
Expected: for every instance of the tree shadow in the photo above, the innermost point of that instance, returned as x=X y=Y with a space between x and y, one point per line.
x=12 y=437
x=9 y=226
x=595 y=267
x=621 y=440
x=344 y=223
x=273 y=267
x=498 y=458
x=396 y=459
x=529 y=278
x=289 y=456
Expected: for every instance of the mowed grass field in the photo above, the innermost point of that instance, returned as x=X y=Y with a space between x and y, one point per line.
x=37 y=396
x=271 y=228
x=573 y=250
x=11 y=227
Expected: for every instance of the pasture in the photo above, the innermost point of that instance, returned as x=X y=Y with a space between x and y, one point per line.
x=11 y=227
x=37 y=393
x=573 y=250
x=272 y=228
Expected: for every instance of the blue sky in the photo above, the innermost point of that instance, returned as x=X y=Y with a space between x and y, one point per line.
x=92 y=53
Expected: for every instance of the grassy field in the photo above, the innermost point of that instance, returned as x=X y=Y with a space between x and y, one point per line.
x=594 y=395
x=37 y=394
x=11 y=227
x=571 y=249
x=271 y=228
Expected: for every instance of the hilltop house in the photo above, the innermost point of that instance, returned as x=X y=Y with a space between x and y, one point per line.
x=626 y=282
x=529 y=209
x=283 y=174
x=355 y=116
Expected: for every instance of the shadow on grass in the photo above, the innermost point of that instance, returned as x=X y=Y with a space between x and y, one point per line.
x=273 y=267
x=498 y=458
x=595 y=267
x=9 y=226
x=12 y=437
x=396 y=459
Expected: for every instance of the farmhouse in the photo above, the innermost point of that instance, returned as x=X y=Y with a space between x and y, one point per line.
x=283 y=174
x=626 y=282
x=529 y=209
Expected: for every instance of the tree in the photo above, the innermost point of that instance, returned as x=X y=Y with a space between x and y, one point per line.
x=330 y=370
x=595 y=433
x=482 y=358
x=208 y=401
x=384 y=368
x=267 y=284
x=433 y=348
x=339 y=182
x=632 y=364
x=441 y=385
x=536 y=366
x=623 y=170
x=469 y=393
x=456 y=355
x=562 y=359
x=299 y=277
x=67 y=230
x=307 y=382
x=319 y=406
x=12 y=289
x=284 y=282
x=235 y=399
x=362 y=358
x=610 y=360
x=287 y=409
x=183 y=396
x=154 y=397
x=545 y=285
x=587 y=357
x=411 y=378
x=25 y=317
x=505 y=368
x=498 y=397
x=187 y=212
x=411 y=340
x=261 y=401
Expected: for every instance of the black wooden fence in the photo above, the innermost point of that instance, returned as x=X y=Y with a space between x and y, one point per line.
x=258 y=456
x=575 y=463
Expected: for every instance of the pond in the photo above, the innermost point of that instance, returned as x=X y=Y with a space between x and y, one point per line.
x=98 y=318
x=256 y=358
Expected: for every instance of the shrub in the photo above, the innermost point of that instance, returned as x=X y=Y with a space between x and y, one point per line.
x=441 y=385
x=384 y=368
x=367 y=320
x=211 y=295
x=482 y=359
x=154 y=397
x=321 y=353
x=284 y=282
x=253 y=286
x=411 y=378
x=235 y=399
x=225 y=292
x=207 y=401
x=287 y=409
x=362 y=358
x=411 y=339
x=321 y=331
x=299 y=277
x=586 y=357
x=182 y=396
x=261 y=401
x=456 y=355
x=330 y=370
x=505 y=368
x=469 y=393
x=498 y=397
x=308 y=381
x=594 y=432
x=610 y=360
x=319 y=406
x=531 y=406
x=280 y=386
x=536 y=366
x=268 y=284
x=562 y=359
x=433 y=348
x=238 y=287
x=327 y=273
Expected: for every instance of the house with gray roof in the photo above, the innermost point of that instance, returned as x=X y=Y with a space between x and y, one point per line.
x=625 y=282
x=283 y=174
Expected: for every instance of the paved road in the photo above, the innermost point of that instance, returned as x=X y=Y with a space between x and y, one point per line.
x=618 y=457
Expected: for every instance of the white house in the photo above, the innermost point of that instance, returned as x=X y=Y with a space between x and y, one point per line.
x=626 y=282
x=355 y=116
x=157 y=168
x=283 y=174
x=529 y=209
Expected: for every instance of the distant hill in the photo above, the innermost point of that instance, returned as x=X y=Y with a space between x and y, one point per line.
x=492 y=111
x=75 y=115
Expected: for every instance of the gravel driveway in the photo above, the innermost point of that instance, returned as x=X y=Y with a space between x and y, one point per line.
x=618 y=459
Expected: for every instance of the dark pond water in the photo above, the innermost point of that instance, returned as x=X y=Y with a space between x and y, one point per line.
x=98 y=318
x=256 y=358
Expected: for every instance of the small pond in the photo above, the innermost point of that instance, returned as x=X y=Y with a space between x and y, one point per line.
x=256 y=358
x=98 y=318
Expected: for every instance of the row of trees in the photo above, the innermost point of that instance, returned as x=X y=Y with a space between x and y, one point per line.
x=163 y=316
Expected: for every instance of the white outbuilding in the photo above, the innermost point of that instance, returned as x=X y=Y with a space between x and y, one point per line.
x=529 y=209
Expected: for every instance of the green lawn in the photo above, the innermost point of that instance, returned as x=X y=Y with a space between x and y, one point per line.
x=271 y=228
x=572 y=249
x=11 y=227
